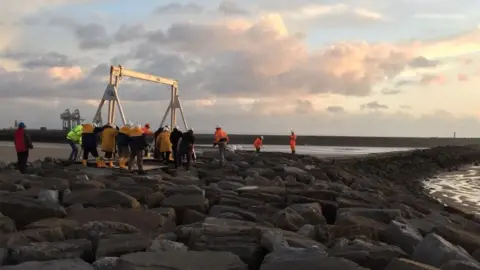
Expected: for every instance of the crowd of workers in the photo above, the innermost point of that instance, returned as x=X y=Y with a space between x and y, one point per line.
x=130 y=143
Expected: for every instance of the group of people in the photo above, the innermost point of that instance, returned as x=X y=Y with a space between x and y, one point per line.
x=130 y=143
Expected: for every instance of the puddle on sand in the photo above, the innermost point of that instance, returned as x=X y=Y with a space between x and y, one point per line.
x=460 y=189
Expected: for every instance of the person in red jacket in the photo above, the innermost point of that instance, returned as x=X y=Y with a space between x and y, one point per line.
x=22 y=145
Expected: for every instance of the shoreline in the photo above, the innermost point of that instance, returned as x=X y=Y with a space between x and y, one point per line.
x=58 y=136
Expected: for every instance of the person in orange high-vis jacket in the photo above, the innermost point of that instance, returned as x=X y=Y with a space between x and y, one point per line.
x=221 y=139
x=293 y=142
x=258 y=144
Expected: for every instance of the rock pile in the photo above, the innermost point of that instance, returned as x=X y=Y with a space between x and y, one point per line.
x=269 y=212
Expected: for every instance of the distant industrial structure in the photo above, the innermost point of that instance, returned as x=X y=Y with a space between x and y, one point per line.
x=70 y=120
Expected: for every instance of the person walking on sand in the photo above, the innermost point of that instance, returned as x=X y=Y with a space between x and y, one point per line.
x=258 y=144
x=221 y=139
x=23 y=144
x=293 y=141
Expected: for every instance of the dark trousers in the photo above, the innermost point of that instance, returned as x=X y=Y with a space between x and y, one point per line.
x=74 y=153
x=22 y=158
x=181 y=156
x=109 y=155
x=88 y=150
x=138 y=154
x=165 y=156
x=123 y=151
x=257 y=150
x=174 y=155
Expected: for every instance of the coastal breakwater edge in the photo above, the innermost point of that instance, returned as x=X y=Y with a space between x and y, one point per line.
x=260 y=212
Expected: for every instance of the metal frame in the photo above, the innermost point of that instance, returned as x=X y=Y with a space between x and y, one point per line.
x=111 y=95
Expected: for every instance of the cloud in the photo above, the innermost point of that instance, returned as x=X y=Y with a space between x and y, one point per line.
x=388 y=91
x=436 y=16
x=374 y=105
x=129 y=33
x=229 y=7
x=405 y=107
x=422 y=62
x=175 y=8
x=304 y=107
x=335 y=109
x=92 y=36
x=433 y=79
x=462 y=77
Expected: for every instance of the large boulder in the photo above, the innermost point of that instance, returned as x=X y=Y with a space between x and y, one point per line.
x=116 y=245
x=46 y=251
x=25 y=237
x=25 y=210
x=77 y=264
x=402 y=235
x=181 y=260
x=405 y=264
x=100 y=198
x=435 y=251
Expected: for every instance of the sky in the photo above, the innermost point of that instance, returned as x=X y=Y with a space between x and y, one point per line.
x=319 y=67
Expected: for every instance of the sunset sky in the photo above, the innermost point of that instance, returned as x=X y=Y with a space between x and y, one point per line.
x=319 y=67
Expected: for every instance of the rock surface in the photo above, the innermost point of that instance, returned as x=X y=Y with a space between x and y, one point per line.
x=270 y=211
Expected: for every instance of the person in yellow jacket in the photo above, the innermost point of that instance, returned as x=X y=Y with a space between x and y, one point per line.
x=164 y=145
x=108 y=144
x=74 y=138
x=122 y=141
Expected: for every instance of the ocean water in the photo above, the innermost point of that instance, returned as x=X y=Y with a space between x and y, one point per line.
x=304 y=150
x=458 y=189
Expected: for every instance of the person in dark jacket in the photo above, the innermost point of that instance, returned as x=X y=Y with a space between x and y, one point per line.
x=138 y=142
x=156 y=152
x=123 y=140
x=186 y=145
x=89 y=143
x=174 y=139
x=22 y=145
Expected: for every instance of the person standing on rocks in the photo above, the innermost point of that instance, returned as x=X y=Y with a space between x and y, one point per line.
x=108 y=143
x=138 y=142
x=89 y=143
x=122 y=141
x=175 y=137
x=293 y=141
x=156 y=153
x=221 y=139
x=258 y=144
x=23 y=144
x=74 y=138
x=164 y=145
x=186 y=147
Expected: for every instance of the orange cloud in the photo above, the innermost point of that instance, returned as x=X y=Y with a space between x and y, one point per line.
x=462 y=77
x=65 y=73
x=430 y=79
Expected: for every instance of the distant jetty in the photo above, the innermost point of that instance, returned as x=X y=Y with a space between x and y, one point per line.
x=58 y=136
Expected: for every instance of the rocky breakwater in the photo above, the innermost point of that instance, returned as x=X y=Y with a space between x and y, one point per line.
x=269 y=212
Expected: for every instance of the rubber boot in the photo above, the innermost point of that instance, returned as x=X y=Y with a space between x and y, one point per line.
x=122 y=163
x=99 y=163
x=84 y=162
x=110 y=164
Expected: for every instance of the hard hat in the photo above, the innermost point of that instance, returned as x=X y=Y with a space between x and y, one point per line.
x=190 y=129
x=177 y=127
x=21 y=125
x=166 y=128
x=218 y=126
x=147 y=125
x=95 y=124
x=261 y=137
x=138 y=126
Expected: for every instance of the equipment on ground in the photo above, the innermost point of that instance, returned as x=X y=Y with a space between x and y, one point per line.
x=111 y=95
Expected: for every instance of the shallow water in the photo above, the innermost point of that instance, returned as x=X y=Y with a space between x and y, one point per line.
x=305 y=150
x=458 y=189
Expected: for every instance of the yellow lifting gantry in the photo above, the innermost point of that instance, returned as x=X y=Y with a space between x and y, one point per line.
x=111 y=95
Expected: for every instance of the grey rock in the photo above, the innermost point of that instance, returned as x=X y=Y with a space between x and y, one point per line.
x=273 y=240
x=181 y=202
x=115 y=245
x=105 y=263
x=461 y=265
x=68 y=264
x=311 y=212
x=27 y=210
x=46 y=251
x=95 y=229
x=403 y=235
x=435 y=251
x=100 y=198
x=308 y=231
x=405 y=264
x=159 y=244
x=289 y=219
x=181 y=260
x=48 y=196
